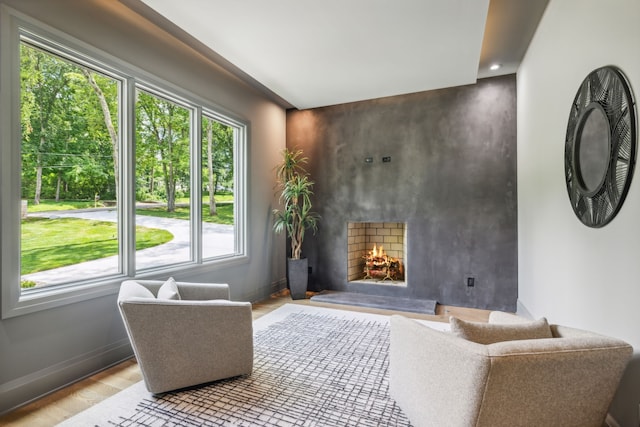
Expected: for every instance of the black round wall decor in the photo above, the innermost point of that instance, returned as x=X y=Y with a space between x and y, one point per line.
x=600 y=147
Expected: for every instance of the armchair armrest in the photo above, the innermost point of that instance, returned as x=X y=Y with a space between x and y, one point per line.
x=535 y=374
x=427 y=367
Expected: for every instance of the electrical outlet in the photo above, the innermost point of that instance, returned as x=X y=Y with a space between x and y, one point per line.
x=471 y=282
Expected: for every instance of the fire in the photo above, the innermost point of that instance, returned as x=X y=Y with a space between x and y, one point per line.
x=378 y=265
x=378 y=253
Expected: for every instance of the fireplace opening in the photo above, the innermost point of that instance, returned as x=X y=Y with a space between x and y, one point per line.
x=376 y=253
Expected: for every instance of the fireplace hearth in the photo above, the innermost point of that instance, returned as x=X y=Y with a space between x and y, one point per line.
x=376 y=253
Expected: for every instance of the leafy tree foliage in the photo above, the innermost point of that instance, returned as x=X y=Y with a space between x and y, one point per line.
x=217 y=159
x=162 y=149
x=69 y=123
x=67 y=151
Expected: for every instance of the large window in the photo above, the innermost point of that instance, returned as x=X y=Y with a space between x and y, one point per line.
x=119 y=174
x=69 y=157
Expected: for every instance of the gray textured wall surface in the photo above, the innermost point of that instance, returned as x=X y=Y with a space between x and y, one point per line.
x=451 y=179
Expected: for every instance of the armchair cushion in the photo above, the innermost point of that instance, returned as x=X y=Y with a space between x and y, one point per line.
x=169 y=290
x=134 y=290
x=489 y=333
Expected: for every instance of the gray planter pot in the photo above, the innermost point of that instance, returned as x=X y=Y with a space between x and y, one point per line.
x=297 y=277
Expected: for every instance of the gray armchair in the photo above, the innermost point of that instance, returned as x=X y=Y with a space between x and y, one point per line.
x=440 y=379
x=196 y=337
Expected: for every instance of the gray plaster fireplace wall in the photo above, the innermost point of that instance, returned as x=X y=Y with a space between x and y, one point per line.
x=451 y=178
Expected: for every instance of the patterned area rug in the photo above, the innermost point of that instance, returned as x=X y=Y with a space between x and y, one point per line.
x=313 y=367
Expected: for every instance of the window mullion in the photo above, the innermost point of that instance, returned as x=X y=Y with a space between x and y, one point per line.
x=196 y=184
x=240 y=180
x=127 y=210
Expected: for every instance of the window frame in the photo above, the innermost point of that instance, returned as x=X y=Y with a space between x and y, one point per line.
x=15 y=302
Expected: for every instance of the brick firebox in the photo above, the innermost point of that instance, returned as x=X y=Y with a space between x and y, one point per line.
x=362 y=236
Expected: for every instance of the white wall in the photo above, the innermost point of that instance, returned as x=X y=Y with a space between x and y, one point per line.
x=42 y=351
x=575 y=275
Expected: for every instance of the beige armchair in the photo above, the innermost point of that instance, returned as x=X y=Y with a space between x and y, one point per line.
x=191 y=334
x=440 y=379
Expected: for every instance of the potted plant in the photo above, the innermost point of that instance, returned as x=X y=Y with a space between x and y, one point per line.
x=296 y=216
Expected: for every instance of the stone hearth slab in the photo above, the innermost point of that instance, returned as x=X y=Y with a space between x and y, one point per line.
x=413 y=305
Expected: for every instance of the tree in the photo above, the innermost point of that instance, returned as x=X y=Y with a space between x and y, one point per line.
x=106 y=112
x=213 y=211
x=218 y=158
x=163 y=136
x=67 y=132
x=44 y=94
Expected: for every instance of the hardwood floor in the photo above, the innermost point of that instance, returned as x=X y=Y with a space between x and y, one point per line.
x=62 y=404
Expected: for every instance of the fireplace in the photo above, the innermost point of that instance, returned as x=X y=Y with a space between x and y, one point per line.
x=376 y=253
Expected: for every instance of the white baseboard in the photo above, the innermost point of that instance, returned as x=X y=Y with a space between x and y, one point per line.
x=522 y=311
x=610 y=422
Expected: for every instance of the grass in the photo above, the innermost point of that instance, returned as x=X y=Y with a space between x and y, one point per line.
x=225 y=213
x=220 y=197
x=65 y=205
x=53 y=243
x=224 y=203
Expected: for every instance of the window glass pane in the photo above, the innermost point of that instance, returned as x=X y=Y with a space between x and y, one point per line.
x=163 y=206
x=69 y=183
x=218 y=222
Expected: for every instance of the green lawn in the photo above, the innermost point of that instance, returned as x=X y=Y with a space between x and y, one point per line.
x=64 y=205
x=52 y=205
x=225 y=213
x=224 y=204
x=53 y=243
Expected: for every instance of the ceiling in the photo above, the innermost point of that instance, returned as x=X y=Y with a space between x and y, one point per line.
x=313 y=54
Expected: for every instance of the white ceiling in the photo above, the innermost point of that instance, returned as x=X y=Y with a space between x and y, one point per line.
x=313 y=54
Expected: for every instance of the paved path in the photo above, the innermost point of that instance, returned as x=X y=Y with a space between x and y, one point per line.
x=217 y=239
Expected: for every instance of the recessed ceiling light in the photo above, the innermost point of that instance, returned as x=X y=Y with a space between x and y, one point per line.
x=495 y=67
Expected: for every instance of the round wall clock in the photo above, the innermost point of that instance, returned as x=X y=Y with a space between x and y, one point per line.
x=600 y=147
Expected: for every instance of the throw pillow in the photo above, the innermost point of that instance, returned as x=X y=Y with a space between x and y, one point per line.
x=169 y=290
x=136 y=290
x=489 y=333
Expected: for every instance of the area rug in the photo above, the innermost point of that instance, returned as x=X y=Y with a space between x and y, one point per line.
x=313 y=367
x=413 y=305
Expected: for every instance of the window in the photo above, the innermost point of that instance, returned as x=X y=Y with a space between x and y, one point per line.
x=218 y=185
x=69 y=157
x=119 y=174
x=163 y=190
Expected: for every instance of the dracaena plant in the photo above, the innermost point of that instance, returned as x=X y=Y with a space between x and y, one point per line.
x=295 y=187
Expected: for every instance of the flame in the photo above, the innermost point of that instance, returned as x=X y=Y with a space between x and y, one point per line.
x=378 y=252
x=379 y=265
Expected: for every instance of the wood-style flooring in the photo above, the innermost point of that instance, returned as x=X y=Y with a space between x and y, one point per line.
x=62 y=404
